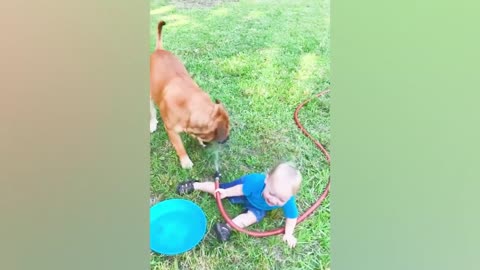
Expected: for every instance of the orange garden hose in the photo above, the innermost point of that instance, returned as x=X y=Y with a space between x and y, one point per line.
x=309 y=210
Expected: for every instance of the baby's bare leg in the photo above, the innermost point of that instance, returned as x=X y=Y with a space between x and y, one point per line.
x=245 y=220
x=205 y=186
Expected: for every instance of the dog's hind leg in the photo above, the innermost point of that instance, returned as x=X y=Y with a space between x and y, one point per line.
x=153 y=117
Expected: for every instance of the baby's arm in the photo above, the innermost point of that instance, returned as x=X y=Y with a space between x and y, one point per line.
x=290 y=224
x=231 y=192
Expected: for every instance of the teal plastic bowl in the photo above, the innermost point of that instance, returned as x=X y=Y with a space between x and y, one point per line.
x=176 y=226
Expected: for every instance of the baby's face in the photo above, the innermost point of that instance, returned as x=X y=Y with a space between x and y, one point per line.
x=276 y=194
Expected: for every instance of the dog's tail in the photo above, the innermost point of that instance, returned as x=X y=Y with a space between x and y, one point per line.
x=159 y=35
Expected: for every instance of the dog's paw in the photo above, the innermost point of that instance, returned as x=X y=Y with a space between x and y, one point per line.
x=186 y=162
x=201 y=143
x=153 y=126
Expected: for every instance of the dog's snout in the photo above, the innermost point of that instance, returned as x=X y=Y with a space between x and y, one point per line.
x=226 y=139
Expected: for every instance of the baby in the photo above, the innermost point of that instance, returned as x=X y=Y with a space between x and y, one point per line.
x=259 y=193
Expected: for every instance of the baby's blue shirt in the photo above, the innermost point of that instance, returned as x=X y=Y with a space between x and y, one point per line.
x=253 y=186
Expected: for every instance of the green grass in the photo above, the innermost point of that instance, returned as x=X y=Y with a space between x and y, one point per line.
x=261 y=59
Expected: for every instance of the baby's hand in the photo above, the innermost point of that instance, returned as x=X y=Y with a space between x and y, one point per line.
x=290 y=239
x=223 y=192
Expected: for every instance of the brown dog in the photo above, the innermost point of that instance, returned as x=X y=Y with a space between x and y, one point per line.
x=184 y=107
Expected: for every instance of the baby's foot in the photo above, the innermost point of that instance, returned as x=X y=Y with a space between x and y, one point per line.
x=222 y=231
x=186 y=187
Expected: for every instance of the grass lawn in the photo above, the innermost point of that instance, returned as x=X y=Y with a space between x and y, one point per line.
x=261 y=59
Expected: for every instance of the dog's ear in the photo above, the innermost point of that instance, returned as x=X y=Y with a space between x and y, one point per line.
x=216 y=108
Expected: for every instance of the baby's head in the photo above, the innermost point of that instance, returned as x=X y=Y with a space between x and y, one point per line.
x=282 y=182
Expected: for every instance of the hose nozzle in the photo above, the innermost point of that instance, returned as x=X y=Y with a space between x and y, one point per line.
x=217 y=175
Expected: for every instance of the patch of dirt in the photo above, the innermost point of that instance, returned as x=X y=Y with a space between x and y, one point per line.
x=193 y=4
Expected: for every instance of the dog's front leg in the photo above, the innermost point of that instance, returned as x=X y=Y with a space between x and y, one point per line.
x=180 y=149
x=153 y=117
x=201 y=142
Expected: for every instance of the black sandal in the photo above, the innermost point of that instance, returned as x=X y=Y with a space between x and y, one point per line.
x=222 y=231
x=186 y=187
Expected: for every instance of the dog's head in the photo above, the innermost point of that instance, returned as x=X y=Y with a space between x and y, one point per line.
x=217 y=128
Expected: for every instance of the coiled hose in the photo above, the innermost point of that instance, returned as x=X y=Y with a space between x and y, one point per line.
x=309 y=210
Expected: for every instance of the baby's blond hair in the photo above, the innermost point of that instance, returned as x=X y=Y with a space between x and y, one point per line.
x=290 y=175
